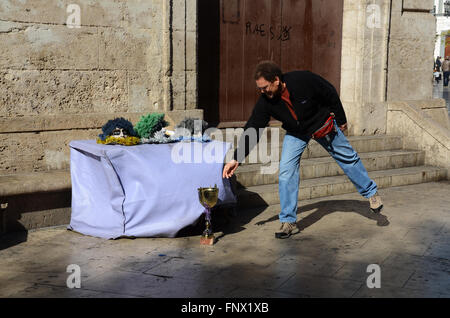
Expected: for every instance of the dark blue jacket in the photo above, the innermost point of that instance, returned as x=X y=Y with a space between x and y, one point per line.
x=313 y=99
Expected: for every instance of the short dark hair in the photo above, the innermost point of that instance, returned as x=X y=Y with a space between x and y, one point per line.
x=268 y=70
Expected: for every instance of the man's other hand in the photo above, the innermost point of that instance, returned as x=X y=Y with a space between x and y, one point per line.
x=229 y=169
x=343 y=127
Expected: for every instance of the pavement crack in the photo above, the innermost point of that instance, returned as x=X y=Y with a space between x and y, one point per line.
x=408 y=279
x=161 y=276
x=356 y=291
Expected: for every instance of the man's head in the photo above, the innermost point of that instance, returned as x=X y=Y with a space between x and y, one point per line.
x=268 y=77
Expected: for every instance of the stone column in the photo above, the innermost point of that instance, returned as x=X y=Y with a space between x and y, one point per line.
x=411 y=50
x=182 y=61
x=364 y=49
x=387 y=54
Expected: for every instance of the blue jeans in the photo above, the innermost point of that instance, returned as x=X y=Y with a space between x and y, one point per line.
x=339 y=148
x=446 y=75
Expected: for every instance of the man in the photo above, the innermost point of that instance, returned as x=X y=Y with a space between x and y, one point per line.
x=438 y=64
x=446 y=70
x=303 y=102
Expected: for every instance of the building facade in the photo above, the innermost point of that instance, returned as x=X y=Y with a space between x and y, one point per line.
x=442 y=12
x=61 y=81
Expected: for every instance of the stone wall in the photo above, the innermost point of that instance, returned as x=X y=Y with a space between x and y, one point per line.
x=132 y=57
x=420 y=131
x=364 y=51
x=435 y=109
x=411 y=50
x=387 y=55
x=59 y=83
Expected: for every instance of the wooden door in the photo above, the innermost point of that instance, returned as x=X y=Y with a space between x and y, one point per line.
x=235 y=35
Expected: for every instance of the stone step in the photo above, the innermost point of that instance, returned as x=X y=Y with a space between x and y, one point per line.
x=264 y=195
x=27 y=183
x=253 y=174
x=361 y=144
x=34 y=200
x=280 y=132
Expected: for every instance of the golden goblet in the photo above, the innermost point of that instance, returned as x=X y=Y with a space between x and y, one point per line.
x=208 y=198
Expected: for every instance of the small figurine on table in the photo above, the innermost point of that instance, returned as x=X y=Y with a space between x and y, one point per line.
x=192 y=129
x=118 y=131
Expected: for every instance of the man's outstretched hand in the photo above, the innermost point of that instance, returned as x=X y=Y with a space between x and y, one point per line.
x=229 y=169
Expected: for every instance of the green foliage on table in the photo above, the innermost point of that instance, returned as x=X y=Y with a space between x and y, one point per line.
x=149 y=124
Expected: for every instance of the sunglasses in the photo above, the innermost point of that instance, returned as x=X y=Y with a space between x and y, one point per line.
x=265 y=88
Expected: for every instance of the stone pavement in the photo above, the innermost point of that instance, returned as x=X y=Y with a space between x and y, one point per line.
x=340 y=238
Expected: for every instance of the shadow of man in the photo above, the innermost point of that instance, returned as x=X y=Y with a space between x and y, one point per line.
x=324 y=208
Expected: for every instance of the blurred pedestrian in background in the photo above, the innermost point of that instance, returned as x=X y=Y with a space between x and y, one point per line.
x=446 y=70
x=437 y=76
x=438 y=64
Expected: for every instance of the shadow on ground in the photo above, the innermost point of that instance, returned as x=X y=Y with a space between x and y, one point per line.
x=31 y=211
x=229 y=221
x=12 y=239
x=324 y=208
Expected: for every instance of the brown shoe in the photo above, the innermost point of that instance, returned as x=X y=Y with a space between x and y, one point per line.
x=375 y=203
x=286 y=230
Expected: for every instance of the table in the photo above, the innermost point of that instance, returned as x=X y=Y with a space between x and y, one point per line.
x=147 y=190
